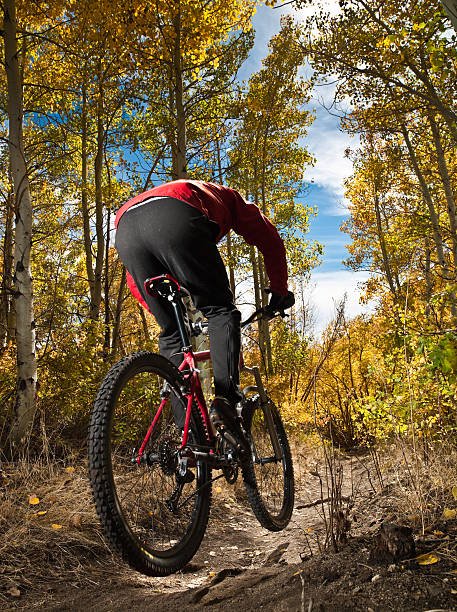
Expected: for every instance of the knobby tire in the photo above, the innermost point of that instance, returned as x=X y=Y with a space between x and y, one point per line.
x=269 y=487
x=131 y=499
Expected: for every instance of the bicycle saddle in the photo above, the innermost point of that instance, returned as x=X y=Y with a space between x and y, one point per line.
x=164 y=285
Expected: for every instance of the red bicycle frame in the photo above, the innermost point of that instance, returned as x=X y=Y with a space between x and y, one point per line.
x=167 y=286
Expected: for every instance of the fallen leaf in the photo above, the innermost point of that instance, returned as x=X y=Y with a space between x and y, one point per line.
x=427 y=559
x=52 y=499
x=33 y=501
x=438 y=533
x=56 y=526
x=42 y=512
x=454 y=493
x=70 y=469
x=218 y=489
x=449 y=513
x=14 y=592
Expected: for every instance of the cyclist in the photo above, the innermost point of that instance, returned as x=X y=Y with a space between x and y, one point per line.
x=173 y=229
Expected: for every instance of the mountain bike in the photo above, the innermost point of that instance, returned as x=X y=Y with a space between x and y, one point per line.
x=151 y=479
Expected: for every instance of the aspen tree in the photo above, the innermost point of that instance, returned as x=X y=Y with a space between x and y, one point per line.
x=23 y=294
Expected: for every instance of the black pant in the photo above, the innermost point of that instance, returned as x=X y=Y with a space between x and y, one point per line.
x=168 y=236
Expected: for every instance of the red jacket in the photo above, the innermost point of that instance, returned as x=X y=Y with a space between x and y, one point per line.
x=230 y=211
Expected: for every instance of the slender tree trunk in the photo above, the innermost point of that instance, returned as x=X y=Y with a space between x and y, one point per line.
x=264 y=327
x=428 y=200
x=7 y=310
x=433 y=216
x=181 y=144
x=428 y=279
x=84 y=190
x=263 y=276
x=144 y=323
x=255 y=274
x=229 y=237
x=118 y=312
x=447 y=185
x=382 y=243
x=96 y=294
x=107 y=340
x=23 y=295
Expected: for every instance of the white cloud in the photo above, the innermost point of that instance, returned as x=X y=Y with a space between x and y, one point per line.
x=330 y=6
x=328 y=144
x=328 y=288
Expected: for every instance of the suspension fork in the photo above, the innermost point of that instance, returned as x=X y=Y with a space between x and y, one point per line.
x=265 y=403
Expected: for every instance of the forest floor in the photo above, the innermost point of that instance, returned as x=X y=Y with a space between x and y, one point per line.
x=239 y=566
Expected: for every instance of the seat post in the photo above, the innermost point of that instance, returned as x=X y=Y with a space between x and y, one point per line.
x=186 y=344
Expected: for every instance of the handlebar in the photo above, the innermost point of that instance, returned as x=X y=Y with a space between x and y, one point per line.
x=201 y=327
x=263 y=313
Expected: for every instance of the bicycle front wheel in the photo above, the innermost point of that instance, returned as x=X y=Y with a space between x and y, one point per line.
x=152 y=513
x=269 y=480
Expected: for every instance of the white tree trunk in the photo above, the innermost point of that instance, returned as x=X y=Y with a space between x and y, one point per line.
x=25 y=319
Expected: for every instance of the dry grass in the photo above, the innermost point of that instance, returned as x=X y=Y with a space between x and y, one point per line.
x=422 y=483
x=34 y=550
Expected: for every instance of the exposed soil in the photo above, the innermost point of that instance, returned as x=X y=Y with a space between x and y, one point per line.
x=241 y=566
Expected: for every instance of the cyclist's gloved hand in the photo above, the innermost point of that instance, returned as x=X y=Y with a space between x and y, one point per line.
x=279 y=303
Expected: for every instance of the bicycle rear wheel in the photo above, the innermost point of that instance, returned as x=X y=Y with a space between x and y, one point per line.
x=151 y=513
x=269 y=481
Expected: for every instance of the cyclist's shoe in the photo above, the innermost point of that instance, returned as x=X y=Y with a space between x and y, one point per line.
x=225 y=421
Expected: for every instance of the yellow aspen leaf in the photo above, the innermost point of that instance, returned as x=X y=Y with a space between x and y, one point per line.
x=33 y=501
x=454 y=493
x=70 y=469
x=56 y=526
x=449 y=513
x=42 y=512
x=218 y=489
x=427 y=559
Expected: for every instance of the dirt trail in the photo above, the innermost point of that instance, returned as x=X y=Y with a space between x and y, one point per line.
x=236 y=554
x=241 y=566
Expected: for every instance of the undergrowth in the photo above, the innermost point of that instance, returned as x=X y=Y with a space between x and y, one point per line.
x=48 y=527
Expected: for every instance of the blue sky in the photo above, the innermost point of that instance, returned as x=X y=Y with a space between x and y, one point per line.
x=327 y=143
